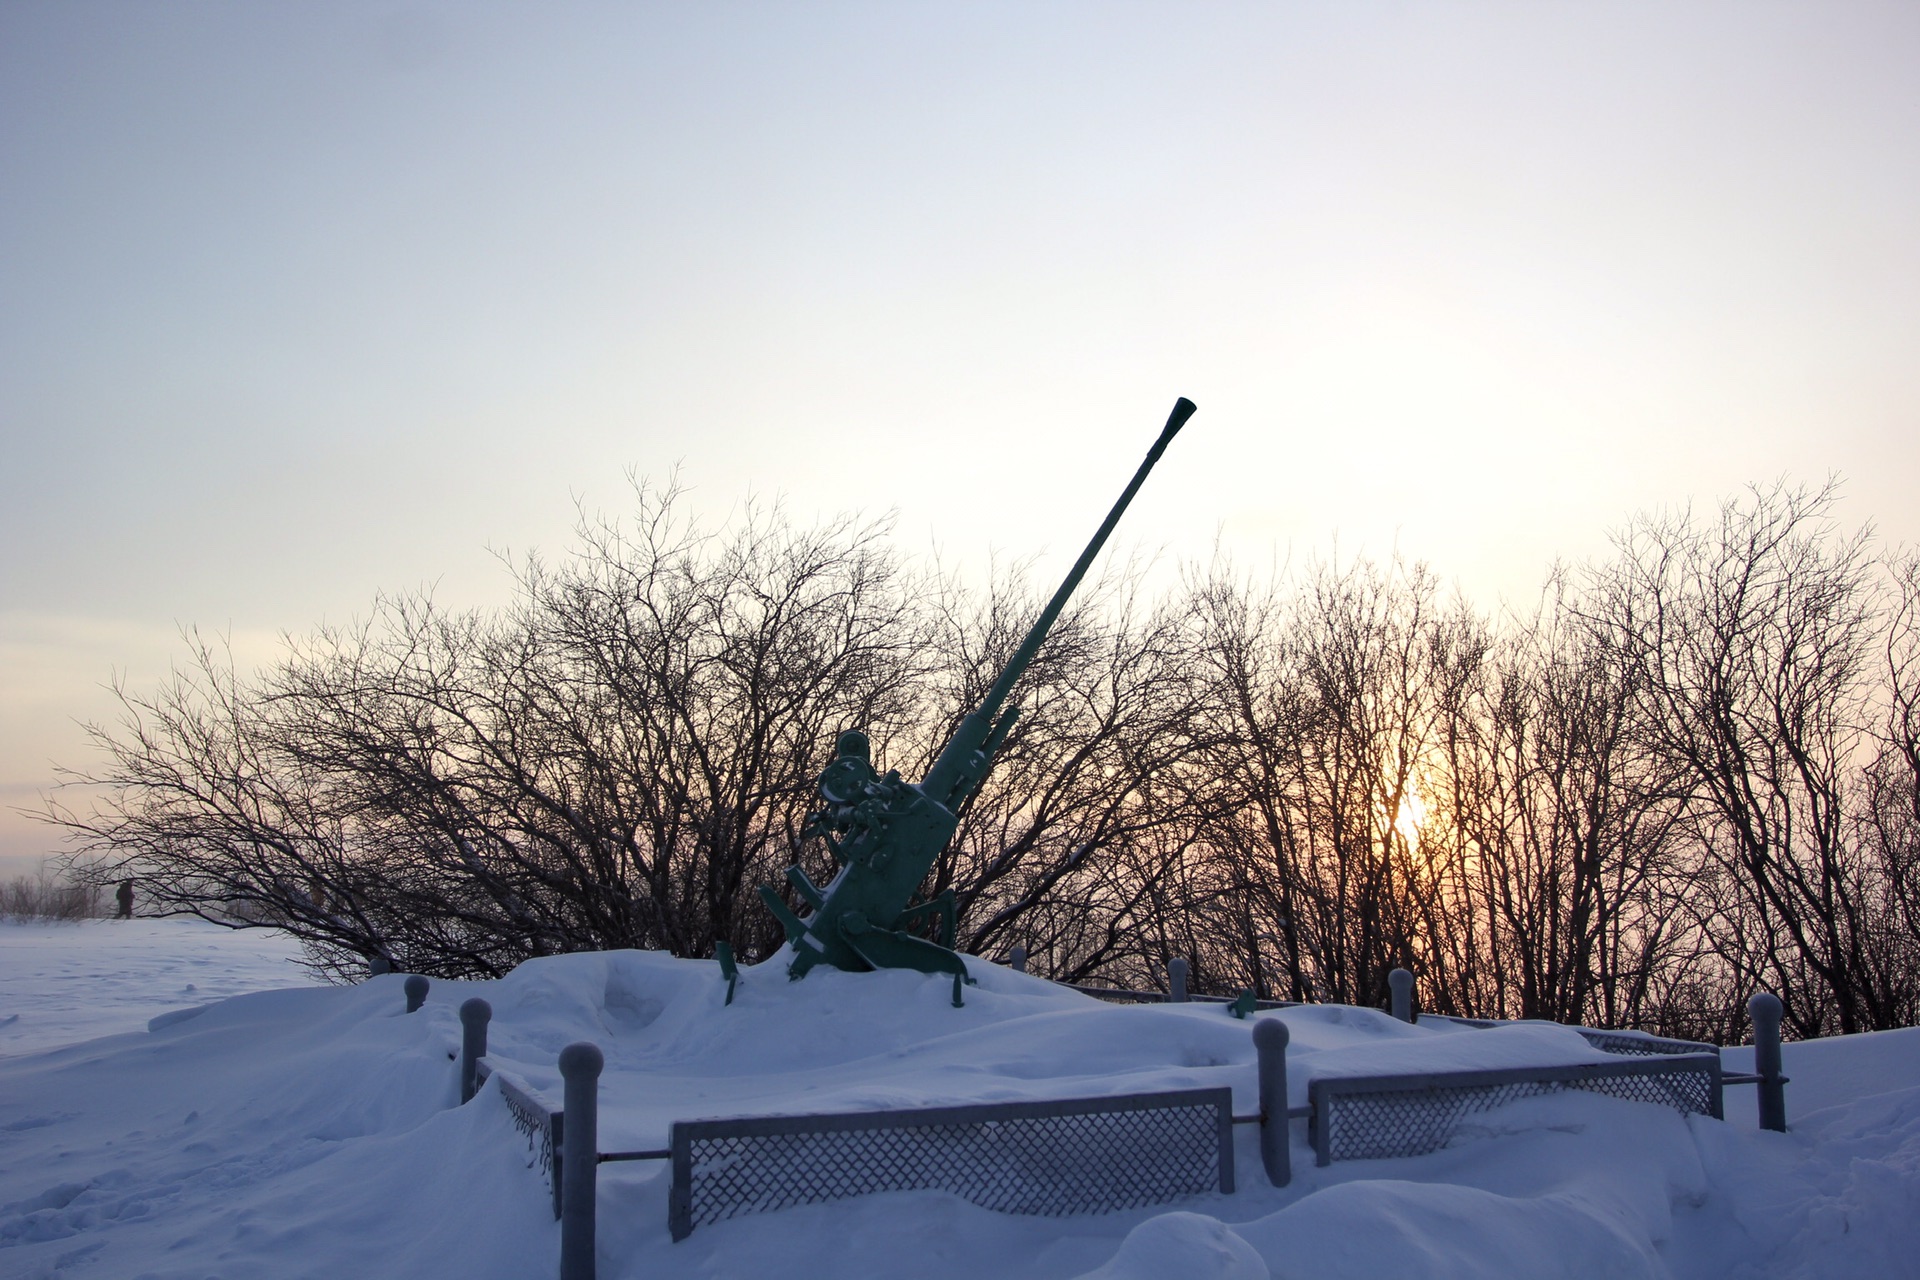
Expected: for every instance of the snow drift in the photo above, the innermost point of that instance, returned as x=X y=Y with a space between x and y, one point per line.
x=313 y=1132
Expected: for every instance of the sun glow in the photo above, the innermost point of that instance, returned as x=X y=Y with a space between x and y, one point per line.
x=1412 y=813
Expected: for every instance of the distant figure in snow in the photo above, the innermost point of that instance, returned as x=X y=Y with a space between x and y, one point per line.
x=124 y=896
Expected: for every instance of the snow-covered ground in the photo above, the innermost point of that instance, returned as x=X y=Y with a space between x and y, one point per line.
x=311 y=1131
x=62 y=983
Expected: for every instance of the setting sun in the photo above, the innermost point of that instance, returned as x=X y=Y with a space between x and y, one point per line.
x=1408 y=819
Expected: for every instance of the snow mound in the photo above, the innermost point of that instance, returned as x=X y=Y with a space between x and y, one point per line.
x=311 y=1131
x=1189 y=1245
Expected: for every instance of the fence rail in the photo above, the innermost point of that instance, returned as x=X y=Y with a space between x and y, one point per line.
x=1122 y=995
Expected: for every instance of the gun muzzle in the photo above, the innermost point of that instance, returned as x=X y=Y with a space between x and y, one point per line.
x=1183 y=409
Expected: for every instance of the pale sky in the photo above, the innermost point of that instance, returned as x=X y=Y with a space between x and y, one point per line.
x=304 y=301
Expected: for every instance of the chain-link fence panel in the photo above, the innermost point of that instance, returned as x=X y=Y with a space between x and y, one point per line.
x=1640 y=1044
x=1074 y=1156
x=1635 y=1044
x=1379 y=1117
x=543 y=1124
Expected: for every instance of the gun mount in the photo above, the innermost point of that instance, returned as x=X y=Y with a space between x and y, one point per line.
x=885 y=833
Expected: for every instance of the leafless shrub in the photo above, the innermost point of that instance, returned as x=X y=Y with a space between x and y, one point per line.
x=44 y=896
x=1691 y=772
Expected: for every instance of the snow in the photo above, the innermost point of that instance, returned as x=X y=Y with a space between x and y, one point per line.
x=290 y=1130
x=64 y=982
x=1832 y=1073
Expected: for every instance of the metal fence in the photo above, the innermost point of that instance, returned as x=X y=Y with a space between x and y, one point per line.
x=1624 y=1042
x=1640 y=1044
x=1081 y=1155
x=1378 y=1117
x=1176 y=992
x=1073 y=1156
x=1120 y=995
x=543 y=1123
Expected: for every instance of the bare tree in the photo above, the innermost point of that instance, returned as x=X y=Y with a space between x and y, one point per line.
x=1694 y=770
x=620 y=757
x=1749 y=642
x=610 y=762
x=1324 y=708
x=1565 y=829
x=1887 y=830
x=696 y=684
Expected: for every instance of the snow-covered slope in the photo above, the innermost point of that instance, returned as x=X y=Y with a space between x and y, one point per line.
x=60 y=983
x=312 y=1132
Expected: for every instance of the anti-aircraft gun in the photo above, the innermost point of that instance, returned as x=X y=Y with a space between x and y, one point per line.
x=886 y=833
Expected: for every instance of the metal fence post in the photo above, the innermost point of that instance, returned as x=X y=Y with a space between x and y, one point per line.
x=1402 y=984
x=1765 y=1009
x=474 y=1016
x=1177 y=981
x=1017 y=958
x=580 y=1065
x=1270 y=1044
x=416 y=989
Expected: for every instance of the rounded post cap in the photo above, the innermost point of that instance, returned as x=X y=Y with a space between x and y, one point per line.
x=417 y=985
x=1401 y=978
x=475 y=1010
x=582 y=1058
x=1270 y=1034
x=1765 y=1007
